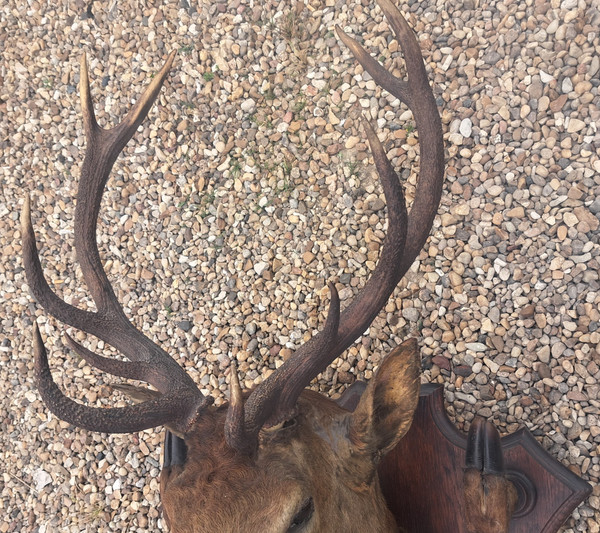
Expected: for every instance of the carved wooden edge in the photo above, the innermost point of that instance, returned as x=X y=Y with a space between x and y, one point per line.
x=433 y=396
x=580 y=489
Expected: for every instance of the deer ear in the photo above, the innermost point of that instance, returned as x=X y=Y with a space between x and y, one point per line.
x=386 y=408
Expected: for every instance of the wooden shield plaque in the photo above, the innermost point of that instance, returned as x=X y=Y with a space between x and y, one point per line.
x=422 y=477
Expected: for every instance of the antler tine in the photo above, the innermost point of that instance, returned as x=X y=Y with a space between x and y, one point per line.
x=417 y=95
x=235 y=428
x=124 y=369
x=405 y=237
x=112 y=420
x=38 y=285
x=276 y=396
x=181 y=401
x=103 y=148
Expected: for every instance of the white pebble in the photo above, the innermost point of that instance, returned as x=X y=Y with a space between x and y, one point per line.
x=466 y=127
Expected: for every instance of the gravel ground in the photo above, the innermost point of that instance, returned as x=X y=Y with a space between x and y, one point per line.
x=249 y=187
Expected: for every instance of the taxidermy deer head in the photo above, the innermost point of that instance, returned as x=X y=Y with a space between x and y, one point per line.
x=280 y=458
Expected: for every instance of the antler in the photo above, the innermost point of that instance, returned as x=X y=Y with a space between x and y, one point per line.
x=275 y=398
x=181 y=401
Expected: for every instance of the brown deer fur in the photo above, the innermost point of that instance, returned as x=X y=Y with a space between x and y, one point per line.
x=490 y=500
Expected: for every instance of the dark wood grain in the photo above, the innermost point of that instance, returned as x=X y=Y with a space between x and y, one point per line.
x=422 y=477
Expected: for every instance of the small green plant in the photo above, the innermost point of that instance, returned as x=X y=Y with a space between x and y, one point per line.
x=236 y=168
x=186 y=49
x=352 y=167
x=168 y=310
x=206 y=200
x=183 y=202
x=289 y=27
x=266 y=166
x=326 y=89
x=286 y=166
x=208 y=75
x=259 y=208
x=188 y=105
x=410 y=129
x=47 y=83
x=268 y=123
x=270 y=94
x=93 y=514
x=286 y=186
x=300 y=104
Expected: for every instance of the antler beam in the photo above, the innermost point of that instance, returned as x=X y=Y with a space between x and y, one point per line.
x=406 y=235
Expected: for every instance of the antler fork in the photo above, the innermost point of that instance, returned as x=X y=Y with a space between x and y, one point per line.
x=181 y=400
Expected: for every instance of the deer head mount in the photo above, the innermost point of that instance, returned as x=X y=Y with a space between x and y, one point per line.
x=280 y=457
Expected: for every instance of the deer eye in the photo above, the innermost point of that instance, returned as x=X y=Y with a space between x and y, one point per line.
x=285 y=424
x=302 y=517
x=291 y=422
